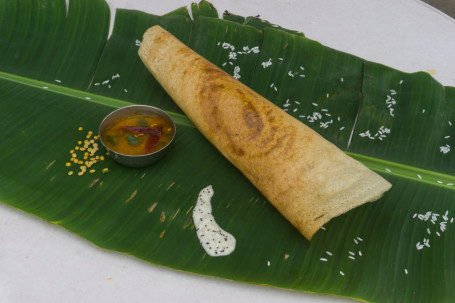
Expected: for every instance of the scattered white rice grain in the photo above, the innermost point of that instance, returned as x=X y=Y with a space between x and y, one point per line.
x=96 y=84
x=419 y=176
x=342 y=80
x=322 y=227
x=231 y=63
x=360 y=253
x=401 y=82
x=450 y=123
x=290 y=74
x=323 y=259
x=351 y=253
x=302 y=68
x=232 y=56
x=226 y=45
x=415 y=215
x=255 y=50
x=351 y=257
x=268 y=263
x=281 y=59
x=451 y=220
x=302 y=75
x=423 y=111
x=266 y=64
x=438 y=234
x=442 y=226
x=360 y=239
x=125 y=90
x=324 y=110
x=58 y=81
x=327 y=96
x=224 y=64
x=446 y=137
x=296 y=102
x=444 y=149
x=328 y=252
x=271 y=85
x=405 y=271
x=87 y=98
x=236 y=72
x=275 y=88
x=341 y=273
x=356 y=242
x=439 y=181
x=428 y=231
x=45 y=87
x=393 y=92
x=295 y=109
x=426 y=242
x=105 y=82
x=341 y=128
x=314 y=104
x=388 y=170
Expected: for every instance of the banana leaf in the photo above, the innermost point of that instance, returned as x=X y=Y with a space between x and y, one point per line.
x=59 y=71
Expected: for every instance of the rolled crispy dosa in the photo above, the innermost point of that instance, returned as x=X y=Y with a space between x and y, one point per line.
x=308 y=179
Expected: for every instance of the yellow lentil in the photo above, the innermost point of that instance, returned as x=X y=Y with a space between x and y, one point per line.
x=86 y=149
x=105 y=170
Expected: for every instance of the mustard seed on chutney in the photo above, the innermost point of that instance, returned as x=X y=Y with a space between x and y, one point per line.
x=138 y=134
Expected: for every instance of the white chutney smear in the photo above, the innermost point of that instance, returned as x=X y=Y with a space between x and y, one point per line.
x=214 y=240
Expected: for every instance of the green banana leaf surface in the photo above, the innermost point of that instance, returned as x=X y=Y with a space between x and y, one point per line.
x=60 y=72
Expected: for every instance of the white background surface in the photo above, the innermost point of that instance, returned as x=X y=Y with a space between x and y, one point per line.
x=40 y=262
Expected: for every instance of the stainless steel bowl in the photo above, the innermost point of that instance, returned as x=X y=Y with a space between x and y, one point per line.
x=135 y=160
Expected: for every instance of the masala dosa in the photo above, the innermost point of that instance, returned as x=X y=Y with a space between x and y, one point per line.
x=307 y=178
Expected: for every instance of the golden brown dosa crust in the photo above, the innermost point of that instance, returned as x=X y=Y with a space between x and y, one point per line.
x=307 y=178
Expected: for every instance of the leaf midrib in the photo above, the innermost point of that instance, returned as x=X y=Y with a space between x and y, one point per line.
x=382 y=166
